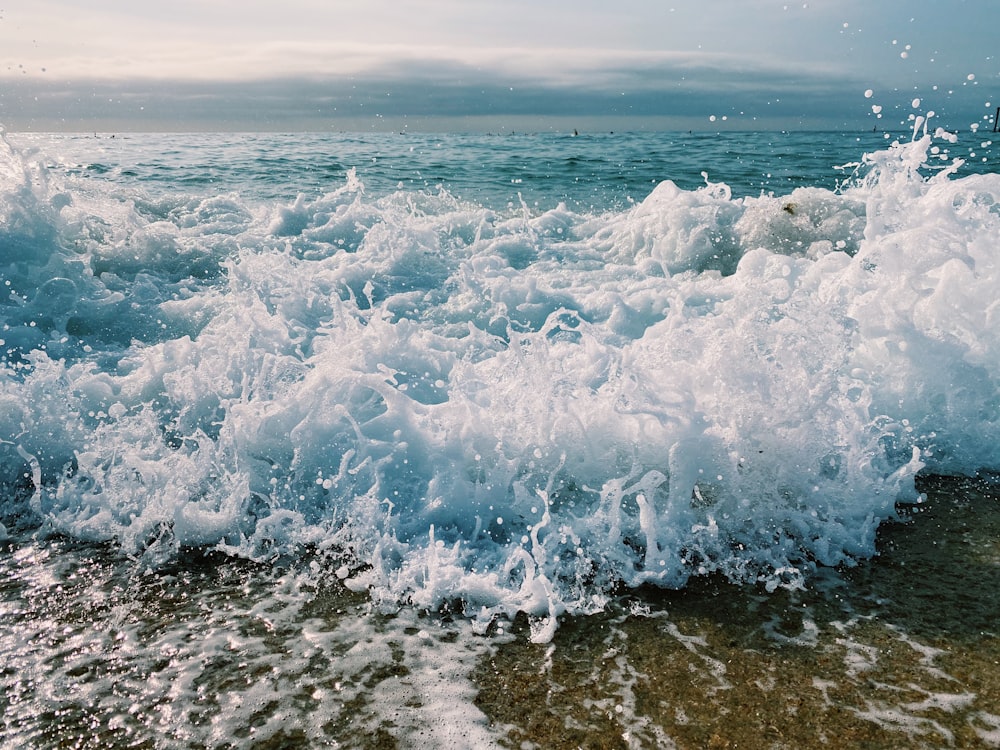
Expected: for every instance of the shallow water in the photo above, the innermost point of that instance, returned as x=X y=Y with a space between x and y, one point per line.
x=900 y=651
x=209 y=652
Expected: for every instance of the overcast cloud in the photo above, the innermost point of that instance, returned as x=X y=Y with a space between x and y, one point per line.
x=454 y=64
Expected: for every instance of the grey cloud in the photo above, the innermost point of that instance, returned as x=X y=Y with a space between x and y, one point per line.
x=391 y=93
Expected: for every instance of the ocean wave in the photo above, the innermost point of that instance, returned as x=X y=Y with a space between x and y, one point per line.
x=506 y=411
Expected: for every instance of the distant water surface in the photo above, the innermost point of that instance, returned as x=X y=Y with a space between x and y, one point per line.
x=589 y=172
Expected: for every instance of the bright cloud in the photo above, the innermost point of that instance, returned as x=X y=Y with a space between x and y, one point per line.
x=768 y=58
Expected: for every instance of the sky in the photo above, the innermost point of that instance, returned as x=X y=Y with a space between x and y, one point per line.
x=486 y=65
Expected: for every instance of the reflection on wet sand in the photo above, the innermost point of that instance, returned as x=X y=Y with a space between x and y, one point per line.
x=902 y=651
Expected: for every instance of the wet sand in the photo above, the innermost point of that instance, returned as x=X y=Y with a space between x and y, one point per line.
x=902 y=651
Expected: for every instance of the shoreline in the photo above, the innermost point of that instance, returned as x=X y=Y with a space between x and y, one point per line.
x=901 y=651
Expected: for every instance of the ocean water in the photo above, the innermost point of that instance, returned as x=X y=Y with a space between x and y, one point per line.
x=410 y=440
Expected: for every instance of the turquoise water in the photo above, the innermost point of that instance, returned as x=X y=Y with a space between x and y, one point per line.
x=268 y=401
x=589 y=172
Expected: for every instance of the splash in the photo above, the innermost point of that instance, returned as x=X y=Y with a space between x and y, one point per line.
x=500 y=412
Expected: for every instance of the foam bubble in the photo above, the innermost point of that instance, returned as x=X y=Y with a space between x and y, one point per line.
x=515 y=412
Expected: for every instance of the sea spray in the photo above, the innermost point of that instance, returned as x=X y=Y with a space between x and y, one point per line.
x=495 y=410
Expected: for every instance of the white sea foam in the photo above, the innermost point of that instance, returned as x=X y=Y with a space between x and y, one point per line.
x=225 y=660
x=517 y=411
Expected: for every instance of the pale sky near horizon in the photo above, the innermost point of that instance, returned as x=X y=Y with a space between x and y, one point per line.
x=425 y=64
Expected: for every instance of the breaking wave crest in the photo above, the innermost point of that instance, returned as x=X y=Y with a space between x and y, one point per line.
x=503 y=411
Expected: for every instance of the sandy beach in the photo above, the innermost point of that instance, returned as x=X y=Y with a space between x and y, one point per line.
x=902 y=651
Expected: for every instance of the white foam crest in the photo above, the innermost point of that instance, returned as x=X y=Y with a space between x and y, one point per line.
x=926 y=308
x=522 y=412
x=678 y=229
x=86 y=269
x=27 y=207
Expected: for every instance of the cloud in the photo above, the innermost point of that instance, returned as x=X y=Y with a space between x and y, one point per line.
x=308 y=67
x=397 y=91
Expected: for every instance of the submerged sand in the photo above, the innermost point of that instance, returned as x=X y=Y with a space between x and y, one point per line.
x=901 y=651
